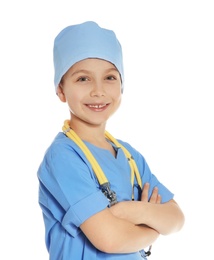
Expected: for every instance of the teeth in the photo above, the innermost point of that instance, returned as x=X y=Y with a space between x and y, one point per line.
x=96 y=106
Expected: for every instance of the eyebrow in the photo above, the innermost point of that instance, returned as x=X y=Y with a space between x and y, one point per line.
x=79 y=71
x=87 y=71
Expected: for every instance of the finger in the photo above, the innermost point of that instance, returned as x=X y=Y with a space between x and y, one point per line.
x=145 y=192
x=154 y=196
x=158 y=199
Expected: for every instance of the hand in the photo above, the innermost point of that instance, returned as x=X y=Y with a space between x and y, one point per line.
x=155 y=197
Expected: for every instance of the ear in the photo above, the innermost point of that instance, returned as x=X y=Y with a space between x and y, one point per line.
x=60 y=93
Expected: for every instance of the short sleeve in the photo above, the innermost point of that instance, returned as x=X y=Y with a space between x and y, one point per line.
x=76 y=214
x=70 y=191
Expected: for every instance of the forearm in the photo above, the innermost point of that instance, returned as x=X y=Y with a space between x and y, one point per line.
x=166 y=218
x=137 y=238
x=111 y=234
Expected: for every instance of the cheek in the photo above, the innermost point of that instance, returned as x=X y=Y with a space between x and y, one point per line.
x=74 y=99
x=72 y=95
x=119 y=101
x=117 y=95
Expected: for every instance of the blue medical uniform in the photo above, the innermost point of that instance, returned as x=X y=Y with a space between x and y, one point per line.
x=69 y=194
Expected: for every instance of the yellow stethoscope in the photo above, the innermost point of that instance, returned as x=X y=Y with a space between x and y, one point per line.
x=105 y=185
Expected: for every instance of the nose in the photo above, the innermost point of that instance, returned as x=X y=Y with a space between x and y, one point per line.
x=97 y=89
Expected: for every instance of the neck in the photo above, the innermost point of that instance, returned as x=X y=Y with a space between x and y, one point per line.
x=93 y=134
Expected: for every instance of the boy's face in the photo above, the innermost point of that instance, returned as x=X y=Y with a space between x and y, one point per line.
x=92 y=89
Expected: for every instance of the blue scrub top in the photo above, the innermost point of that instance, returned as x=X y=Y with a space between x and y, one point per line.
x=69 y=194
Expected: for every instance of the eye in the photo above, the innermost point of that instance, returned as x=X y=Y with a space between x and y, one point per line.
x=111 y=77
x=82 y=79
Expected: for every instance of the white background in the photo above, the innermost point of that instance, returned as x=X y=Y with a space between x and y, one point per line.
x=166 y=113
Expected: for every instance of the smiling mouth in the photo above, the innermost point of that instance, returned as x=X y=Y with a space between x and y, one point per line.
x=97 y=107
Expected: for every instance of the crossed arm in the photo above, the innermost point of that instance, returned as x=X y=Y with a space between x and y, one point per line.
x=130 y=226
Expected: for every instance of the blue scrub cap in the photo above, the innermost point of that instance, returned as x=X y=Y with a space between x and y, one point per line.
x=86 y=40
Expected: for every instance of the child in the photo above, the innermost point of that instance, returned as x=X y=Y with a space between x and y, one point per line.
x=98 y=196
